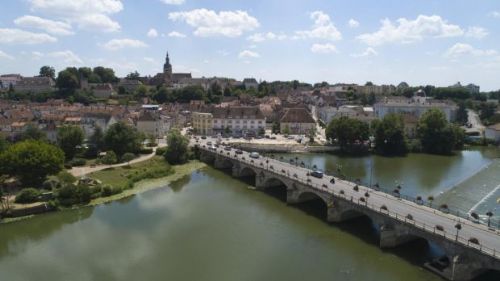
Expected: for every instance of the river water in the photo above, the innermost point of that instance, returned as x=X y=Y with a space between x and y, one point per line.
x=209 y=226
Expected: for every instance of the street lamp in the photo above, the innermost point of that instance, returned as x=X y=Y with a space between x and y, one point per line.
x=458 y=226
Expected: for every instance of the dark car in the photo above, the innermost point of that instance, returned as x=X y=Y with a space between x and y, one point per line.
x=332 y=181
x=317 y=174
x=238 y=151
x=228 y=148
x=203 y=138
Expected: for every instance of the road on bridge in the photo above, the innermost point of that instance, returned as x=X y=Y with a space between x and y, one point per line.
x=489 y=239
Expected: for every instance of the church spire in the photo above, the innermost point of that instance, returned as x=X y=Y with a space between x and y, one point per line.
x=167 y=61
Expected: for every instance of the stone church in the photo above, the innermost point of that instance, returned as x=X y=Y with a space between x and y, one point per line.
x=168 y=78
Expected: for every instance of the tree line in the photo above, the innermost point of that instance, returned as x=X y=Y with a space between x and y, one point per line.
x=434 y=134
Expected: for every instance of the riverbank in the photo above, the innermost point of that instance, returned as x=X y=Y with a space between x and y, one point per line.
x=116 y=177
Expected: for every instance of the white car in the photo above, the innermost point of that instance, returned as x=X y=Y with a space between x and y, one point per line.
x=254 y=155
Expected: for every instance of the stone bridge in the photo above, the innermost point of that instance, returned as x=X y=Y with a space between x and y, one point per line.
x=464 y=259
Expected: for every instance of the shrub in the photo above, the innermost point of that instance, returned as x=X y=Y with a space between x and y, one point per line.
x=145 y=151
x=108 y=190
x=70 y=194
x=109 y=158
x=127 y=157
x=160 y=151
x=66 y=177
x=51 y=184
x=27 y=195
x=77 y=162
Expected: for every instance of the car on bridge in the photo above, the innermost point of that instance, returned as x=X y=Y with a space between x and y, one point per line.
x=239 y=151
x=332 y=181
x=254 y=155
x=317 y=174
x=227 y=148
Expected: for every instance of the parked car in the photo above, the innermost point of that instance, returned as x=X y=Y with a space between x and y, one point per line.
x=254 y=155
x=317 y=174
x=238 y=151
x=227 y=148
x=203 y=137
x=209 y=143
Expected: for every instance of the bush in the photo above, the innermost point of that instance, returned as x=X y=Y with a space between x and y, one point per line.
x=415 y=146
x=27 y=195
x=71 y=195
x=66 y=177
x=145 y=151
x=160 y=151
x=77 y=162
x=109 y=158
x=127 y=157
x=51 y=184
x=108 y=190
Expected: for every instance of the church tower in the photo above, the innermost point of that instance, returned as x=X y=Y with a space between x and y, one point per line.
x=167 y=71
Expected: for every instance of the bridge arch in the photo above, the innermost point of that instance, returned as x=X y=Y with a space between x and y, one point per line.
x=485 y=274
x=313 y=204
x=275 y=187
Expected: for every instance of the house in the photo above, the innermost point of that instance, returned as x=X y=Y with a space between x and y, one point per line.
x=9 y=80
x=493 y=133
x=202 y=123
x=129 y=85
x=417 y=105
x=250 y=83
x=297 y=121
x=35 y=85
x=151 y=123
x=238 y=120
x=102 y=90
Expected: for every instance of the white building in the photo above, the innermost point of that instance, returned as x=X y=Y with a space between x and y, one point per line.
x=327 y=113
x=238 y=120
x=8 y=80
x=417 y=106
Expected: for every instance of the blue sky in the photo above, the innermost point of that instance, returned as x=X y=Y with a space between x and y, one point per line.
x=384 y=41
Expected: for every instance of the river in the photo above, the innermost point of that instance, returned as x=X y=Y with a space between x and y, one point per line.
x=209 y=226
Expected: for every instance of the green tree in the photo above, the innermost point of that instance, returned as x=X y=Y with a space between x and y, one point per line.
x=97 y=138
x=4 y=144
x=110 y=158
x=390 y=138
x=68 y=138
x=161 y=95
x=122 y=138
x=47 y=71
x=436 y=134
x=133 y=76
x=67 y=80
x=31 y=161
x=347 y=132
x=127 y=157
x=462 y=115
x=32 y=132
x=286 y=130
x=107 y=75
x=177 y=148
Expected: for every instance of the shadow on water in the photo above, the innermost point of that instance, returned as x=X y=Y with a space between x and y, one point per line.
x=490 y=275
x=277 y=192
x=42 y=227
x=177 y=185
x=315 y=208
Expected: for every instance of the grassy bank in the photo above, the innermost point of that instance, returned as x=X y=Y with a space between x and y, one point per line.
x=108 y=177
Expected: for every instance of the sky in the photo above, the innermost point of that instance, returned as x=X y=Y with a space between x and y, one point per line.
x=384 y=41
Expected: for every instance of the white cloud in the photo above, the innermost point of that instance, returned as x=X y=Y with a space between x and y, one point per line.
x=495 y=14
x=462 y=49
x=176 y=34
x=210 y=23
x=259 y=37
x=66 y=56
x=150 y=60
x=49 y=26
x=152 y=33
x=248 y=54
x=322 y=28
x=117 y=44
x=87 y=14
x=353 y=23
x=173 y=2
x=4 y=55
x=18 y=36
x=407 y=31
x=476 y=32
x=366 y=53
x=324 y=48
